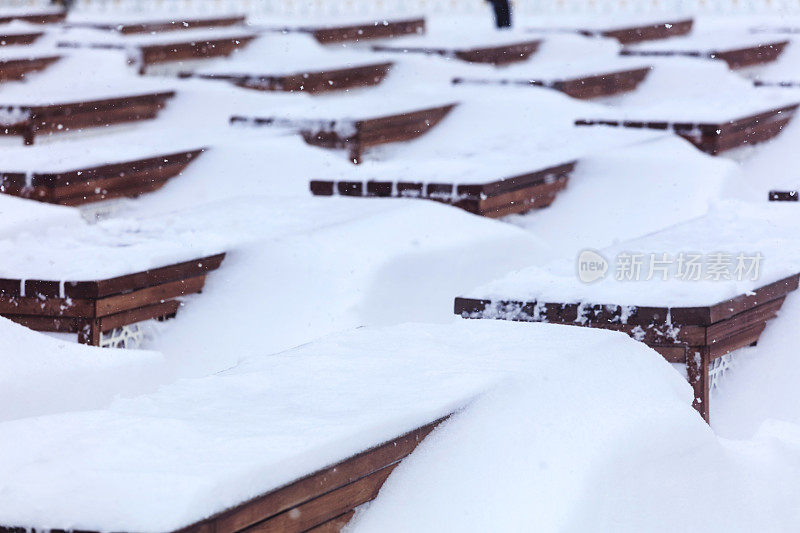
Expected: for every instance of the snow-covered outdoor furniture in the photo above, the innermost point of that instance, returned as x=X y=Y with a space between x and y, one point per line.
x=496 y=49
x=295 y=63
x=711 y=130
x=128 y=24
x=498 y=198
x=17 y=66
x=738 y=51
x=783 y=196
x=18 y=38
x=336 y=79
x=85 y=172
x=625 y=31
x=695 y=292
x=32 y=15
x=356 y=124
x=329 y=31
x=69 y=113
x=162 y=47
x=292 y=441
x=578 y=80
x=97 y=309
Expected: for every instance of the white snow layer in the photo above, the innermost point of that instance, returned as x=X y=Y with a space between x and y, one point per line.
x=164 y=460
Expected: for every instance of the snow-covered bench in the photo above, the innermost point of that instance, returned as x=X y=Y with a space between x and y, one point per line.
x=578 y=80
x=357 y=124
x=712 y=130
x=12 y=35
x=57 y=113
x=495 y=49
x=149 y=24
x=314 y=81
x=694 y=293
x=481 y=196
x=32 y=15
x=17 y=66
x=738 y=51
x=159 y=48
x=294 y=441
x=99 y=310
x=634 y=30
x=295 y=63
x=331 y=31
x=91 y=171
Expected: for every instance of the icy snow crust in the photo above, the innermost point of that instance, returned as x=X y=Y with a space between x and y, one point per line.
x=164 y=460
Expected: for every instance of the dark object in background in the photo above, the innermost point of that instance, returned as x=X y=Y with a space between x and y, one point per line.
x=502 y=13
x=782 y=196
x=66 y=4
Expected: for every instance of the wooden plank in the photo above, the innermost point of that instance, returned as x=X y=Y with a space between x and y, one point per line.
x=157 y=26
x=379 y=29
x=148 y=296
x=663 y=30
x=496 y=55
x=320 y=510
x=140 y=314
x=92 y=290
x=19 y=39
x=334 y=525
x=697 y=361
x=315 y=484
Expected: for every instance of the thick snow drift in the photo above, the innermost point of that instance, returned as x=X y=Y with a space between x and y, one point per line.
x=164 y=460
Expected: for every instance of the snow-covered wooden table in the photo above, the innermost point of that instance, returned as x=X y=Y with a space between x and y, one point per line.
x=92 y=308
x=18 y=66
x=500 y=49
x=16 y=37
x=738 y=51
x=295 y=63
x=634 y=30
x=70 y=113
x=148 y=24
x=295 y=441
x=312 y=81
x=582 y=81
x=696 y=292
x=357 y=124
x=91 y=171
x=498 y=198
x=32 y=15
x=163 y=47
x=332 y=31
x=722 y=129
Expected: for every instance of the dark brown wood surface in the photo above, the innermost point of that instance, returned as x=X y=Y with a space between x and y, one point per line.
x=77 y=115
x=494 y=198
x=692 y=335
x=92 y=184
x=17 y=69
x=714 y=138
x=157 y=26
x=736 y=58
x=583 y=87
x=34 y=18
x=377 y=29
x=496 y=55
x=311 y=82
x=19 y=39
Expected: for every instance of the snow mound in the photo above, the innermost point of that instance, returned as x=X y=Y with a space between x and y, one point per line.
x=164 y=460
